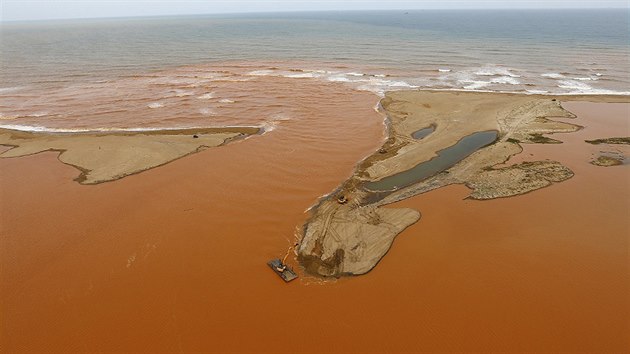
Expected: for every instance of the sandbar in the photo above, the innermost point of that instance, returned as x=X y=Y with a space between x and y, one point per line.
x=104 y=156
x=335 y=242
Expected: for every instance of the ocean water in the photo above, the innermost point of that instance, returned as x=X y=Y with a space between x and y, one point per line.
x=196 y=70
x=174 y=259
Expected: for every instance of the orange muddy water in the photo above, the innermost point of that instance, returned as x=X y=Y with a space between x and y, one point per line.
x=173 y=259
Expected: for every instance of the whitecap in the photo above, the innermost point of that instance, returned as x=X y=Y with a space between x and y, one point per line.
x=261 y=72
x=34 y=128
x=398 y=84
x=279 y=117
x=37 y=114
x=552 y=75
x=473 y=85
x=155 y=105
x=9 y=89
x=374 y=89
x=444 y=70
x=206 y=96
x=537 y=92
x=338 y=78
x=207 y=112
x=574 y=85
x=269 y=127
x=225 y=100
x=301 y=75
x=355 y=74
x=182 y=93
x=505 y=80
x=232 y=79
x=495 y=71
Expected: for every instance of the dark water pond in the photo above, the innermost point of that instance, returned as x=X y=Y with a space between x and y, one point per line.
x=445 y=159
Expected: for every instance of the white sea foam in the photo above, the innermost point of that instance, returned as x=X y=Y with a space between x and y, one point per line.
x=374 y=89
x=505 y=80
x=155 y=105
x=233 y=79
x=37 y=114
x=302 y=75
x=10 y=89
x=581 y=87
x=574 y=85
x=207 y=112
x=34 y=128
x=274 y=121
x=585 y=78
x=552 y=75
x=355 y=74
x=380 y=86
x=338 y=78
x=537 y=92
x=261 y=72
x=473 y=85
x=182 y=93
x=225 y=100
x=495 y=71
x=279 y=117
x=269 y=126
x=206 y=96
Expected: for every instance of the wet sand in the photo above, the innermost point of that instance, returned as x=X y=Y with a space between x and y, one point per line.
x=173 y=259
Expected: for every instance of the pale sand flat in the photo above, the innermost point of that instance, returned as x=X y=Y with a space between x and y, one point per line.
x=103 y=157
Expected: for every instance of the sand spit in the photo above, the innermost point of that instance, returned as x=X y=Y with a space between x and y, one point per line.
x=620 y=141
x=350 y=238
x=108 y=156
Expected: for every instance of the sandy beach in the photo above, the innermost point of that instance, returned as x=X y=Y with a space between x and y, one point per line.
x=173 y=258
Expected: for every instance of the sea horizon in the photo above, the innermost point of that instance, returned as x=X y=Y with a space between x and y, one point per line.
x=311 y=182
x=555 y=52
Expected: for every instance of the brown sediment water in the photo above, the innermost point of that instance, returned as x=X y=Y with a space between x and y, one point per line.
x=173 y=259
x=545 y=271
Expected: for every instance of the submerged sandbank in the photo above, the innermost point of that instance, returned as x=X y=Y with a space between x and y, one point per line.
x=103 y=156
x=335 y=240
